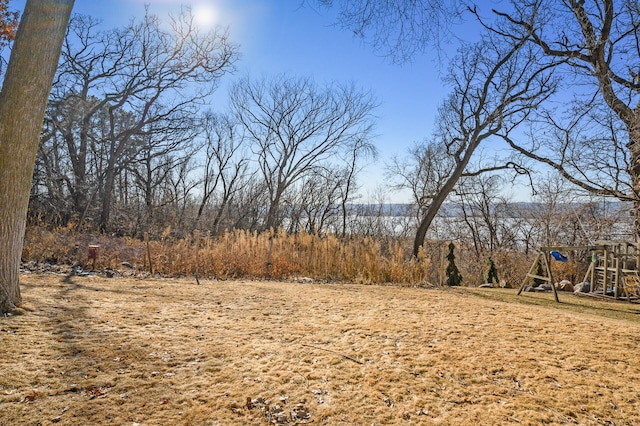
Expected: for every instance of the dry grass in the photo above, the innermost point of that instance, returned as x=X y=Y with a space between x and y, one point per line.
x=582 y=303
x=237 y=254
x=96 y=351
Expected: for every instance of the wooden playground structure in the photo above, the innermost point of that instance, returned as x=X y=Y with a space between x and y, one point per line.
x=612 y=274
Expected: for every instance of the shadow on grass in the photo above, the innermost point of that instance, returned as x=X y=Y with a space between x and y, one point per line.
x=71 y=320
x=568 y=302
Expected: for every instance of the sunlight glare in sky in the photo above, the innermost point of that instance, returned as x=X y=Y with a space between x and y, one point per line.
x=204 y=15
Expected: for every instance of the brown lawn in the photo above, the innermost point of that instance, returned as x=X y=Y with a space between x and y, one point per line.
x=94 y=350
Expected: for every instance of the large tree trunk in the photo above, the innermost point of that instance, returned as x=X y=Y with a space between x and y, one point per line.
x=272 y=215
x=219 y=212
x=23 y=99
x=443 y=193
x=634 y=171
x=433 y=209
x=107 y=196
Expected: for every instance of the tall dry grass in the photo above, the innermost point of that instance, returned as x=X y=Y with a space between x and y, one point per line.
x=281 y=256
x=238 y=254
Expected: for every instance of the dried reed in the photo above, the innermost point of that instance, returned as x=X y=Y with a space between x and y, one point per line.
x=240 y=254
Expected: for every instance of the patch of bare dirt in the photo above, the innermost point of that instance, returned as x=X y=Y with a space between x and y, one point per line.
x=92 y=350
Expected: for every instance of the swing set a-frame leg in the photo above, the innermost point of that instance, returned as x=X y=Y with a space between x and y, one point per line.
x=529 y=274
x=548 y=278
x=548 y=267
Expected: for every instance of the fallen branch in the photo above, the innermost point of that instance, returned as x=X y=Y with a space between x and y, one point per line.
x=334 y=352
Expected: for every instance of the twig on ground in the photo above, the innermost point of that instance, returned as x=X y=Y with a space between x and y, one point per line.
x=305 y=379
x=565 y=418
x=334 y=352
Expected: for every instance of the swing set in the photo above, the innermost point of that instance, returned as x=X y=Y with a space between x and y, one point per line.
x=613 y=272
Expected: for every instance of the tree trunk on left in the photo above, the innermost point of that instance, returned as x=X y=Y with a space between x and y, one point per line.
x=23 y=100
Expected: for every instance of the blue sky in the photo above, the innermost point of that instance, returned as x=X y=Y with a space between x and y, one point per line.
x=291 y=36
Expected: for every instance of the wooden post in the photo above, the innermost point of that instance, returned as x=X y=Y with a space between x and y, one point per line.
x=594 y=263
x=545 y=256
x=93 y=255
x=196 y=236
x=605 y=278
x=530 y=273
x=588 y=276
x=443 y=256
x=146 y=240
x=547 y=264
x=269 y=264
x=616 y=283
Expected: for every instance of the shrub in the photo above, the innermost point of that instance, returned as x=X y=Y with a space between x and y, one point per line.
x=492 y=272
x=453 y=275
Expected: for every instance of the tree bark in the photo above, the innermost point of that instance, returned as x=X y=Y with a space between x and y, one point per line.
x=272 y=215
x=438 y=200
x=634 y=171
x=23 y=99
x=600 y=42
x=109 y=180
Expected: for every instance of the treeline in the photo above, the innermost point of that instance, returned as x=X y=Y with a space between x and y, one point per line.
x=130 y=143
x=377 y=248
x=131 y=146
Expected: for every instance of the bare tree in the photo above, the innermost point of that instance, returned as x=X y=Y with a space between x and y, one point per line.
x=373 y=217
x=360 y=151
x=586 y=145
x=482 y=206
x=593 y=43
x=177 y=198
x=50 y=198
x=65 y=150
x=247 y=208
x=143 y=80
x=295 y=125
x=597 y=43
x=315 y=202
x=423 y=171
x=225 y=164
x=398 y=29
x=23 y=100
x=496 y=86
x=155 y=161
